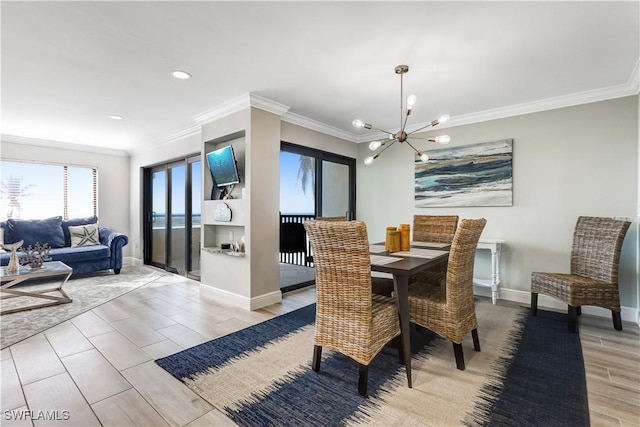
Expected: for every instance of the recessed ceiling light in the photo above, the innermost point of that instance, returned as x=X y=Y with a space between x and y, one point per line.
x=115 y=117
x=183 y=75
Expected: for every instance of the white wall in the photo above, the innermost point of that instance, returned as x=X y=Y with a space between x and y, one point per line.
x=113 y=176
x=567 y=162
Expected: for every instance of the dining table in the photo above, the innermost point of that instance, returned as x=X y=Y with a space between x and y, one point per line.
x=402 y=265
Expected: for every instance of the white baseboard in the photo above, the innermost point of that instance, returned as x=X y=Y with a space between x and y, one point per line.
x=242 y=301
x=129 y=260
x=629 y=314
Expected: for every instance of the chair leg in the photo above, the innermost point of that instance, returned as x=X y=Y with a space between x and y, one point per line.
x=573 y=318
x=579 y=310
x=363 y=378
x=317 y=356
x=476 y=340
x=457 y=350
x=534 y=303
x=397 y=342
x=617 y=320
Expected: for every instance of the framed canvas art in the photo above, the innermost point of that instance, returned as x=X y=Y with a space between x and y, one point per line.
x=467 y=175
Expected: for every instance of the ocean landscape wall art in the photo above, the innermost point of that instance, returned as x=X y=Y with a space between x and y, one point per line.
x=467 y=175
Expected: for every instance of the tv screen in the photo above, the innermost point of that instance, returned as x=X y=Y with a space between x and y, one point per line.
x=222 y=165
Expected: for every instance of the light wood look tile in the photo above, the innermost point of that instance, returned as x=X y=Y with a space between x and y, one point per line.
x=18 y=417
x=35 y=360
x=162 y=349
x=90 y=324
x=139 y=333
x=118 y=350
x=110 y=312
x=96 y=378
x=5 y=353
x=66 y=339
x=127 y=409
x=163 y=307
x=12 y=397
x=183 y=336
x=151 y=318
x=175 y=402
x=59 y=393
x=213 y=418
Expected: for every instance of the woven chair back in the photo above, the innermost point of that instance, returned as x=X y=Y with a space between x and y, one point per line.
x=331 y=218
x=434 y=228
x=343 y=268
x=461 y=261
x=597 y=243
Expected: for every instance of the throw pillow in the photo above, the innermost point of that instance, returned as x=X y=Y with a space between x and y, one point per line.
x=75 y=221
x=84 y=235
x=2 y=240
x=33 y=231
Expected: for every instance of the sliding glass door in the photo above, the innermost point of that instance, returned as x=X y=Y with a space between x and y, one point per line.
x=315 y=182
x=172 y=194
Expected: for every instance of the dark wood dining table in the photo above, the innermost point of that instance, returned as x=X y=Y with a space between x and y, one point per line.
x=402 y=270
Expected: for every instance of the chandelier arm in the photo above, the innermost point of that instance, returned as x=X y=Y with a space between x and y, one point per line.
x=414 y=148
x=385 y=147
x=382 y=130
x=422 y=128
x=426 y=138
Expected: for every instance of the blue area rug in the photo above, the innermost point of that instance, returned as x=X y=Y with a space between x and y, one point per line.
x=261 y=375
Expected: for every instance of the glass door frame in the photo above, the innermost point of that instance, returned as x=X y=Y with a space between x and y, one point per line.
x=319 y=157
x=147 y=212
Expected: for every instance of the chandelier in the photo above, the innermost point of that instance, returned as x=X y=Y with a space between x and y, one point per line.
x=402 y=136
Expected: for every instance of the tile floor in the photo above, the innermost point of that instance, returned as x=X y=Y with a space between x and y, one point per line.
x=98 y=369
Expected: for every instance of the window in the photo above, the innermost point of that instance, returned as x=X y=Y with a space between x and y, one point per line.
x=36 y=190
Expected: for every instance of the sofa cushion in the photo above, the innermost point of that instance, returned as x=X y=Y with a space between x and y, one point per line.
x=84 y=235
x=34 y=231
x=75 y=222
x=80 y=254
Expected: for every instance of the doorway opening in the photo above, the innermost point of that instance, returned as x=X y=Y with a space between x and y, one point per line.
x=313 y=183
x=172 y=194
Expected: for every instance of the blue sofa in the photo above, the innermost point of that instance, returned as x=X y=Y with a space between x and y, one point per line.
x=82 y=256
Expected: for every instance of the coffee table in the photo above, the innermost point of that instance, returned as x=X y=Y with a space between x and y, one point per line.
x=49 y=269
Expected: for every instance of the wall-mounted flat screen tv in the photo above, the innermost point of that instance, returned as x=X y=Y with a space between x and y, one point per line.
x=223 y=168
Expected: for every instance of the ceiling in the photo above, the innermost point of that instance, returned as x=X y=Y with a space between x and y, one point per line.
x=67 y=66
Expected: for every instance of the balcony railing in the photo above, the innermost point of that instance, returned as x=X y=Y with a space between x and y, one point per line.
x=301 y=257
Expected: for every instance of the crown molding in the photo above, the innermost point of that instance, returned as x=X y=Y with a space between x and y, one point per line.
x=631 y=88
x=240 y=103
x=305 y=122
x=61 y=145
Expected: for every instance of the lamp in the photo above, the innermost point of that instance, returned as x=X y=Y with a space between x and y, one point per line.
x=402 y=136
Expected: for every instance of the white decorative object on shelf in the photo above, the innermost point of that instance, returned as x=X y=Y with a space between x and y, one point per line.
x=222 y=213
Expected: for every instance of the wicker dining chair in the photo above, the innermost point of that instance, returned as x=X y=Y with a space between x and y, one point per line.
x=331 y=218
x=349 y=318
x=434 y=228
x=593 y=278
x=449 y=310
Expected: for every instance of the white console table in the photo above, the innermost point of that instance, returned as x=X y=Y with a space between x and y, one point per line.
x=494 y=245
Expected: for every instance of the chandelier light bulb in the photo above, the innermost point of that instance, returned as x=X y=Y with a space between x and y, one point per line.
x=411 y=101
x=443 y=139
x=443 y=118
x=368 y=160
x=424 y=157
x=357 y=123
x=374 y=145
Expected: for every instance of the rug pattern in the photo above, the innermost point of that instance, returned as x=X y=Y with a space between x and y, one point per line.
x=87 y=291
x=261 y=376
